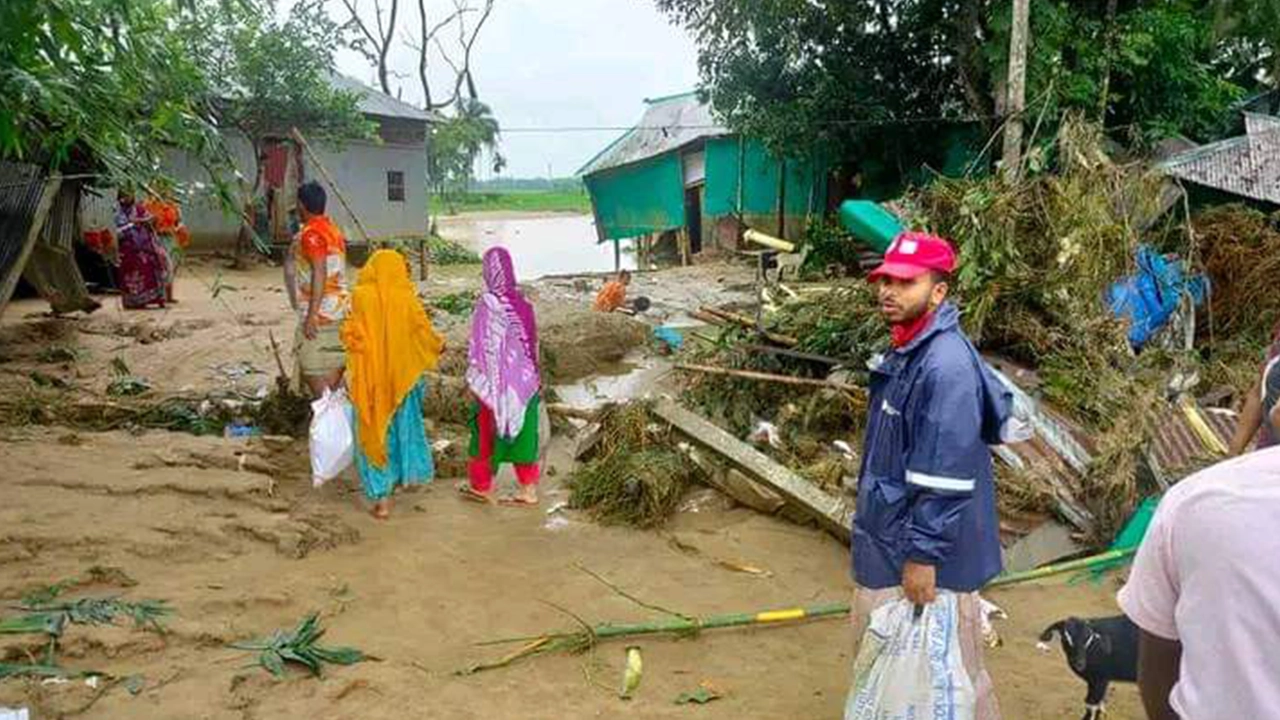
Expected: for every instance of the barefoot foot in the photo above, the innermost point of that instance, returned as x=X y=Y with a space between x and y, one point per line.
x=526 y=495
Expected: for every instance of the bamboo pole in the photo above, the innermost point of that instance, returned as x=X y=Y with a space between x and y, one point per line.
x=747 y=322
x=581 y=640
x=794 y=354
x=768 y=377
x=768 y=241
x=1064 y=567
x=306 y=147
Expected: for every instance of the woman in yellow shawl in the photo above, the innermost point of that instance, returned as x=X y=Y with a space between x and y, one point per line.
x=390 y=343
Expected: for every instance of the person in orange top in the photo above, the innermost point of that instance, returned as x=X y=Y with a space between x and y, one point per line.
x=614 y=293
x=315 y=271
x=171 y=233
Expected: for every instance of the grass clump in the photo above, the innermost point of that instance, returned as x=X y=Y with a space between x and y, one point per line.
x=299 y=646
x=443 y=251
x=459 y=303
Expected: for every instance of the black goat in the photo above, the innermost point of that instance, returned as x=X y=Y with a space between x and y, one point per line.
x=1100 y=651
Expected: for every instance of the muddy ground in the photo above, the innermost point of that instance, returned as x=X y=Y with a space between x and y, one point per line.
x=230 y=533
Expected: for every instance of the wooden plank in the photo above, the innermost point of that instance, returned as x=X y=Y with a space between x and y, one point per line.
x=832 y=513
x=47 y=196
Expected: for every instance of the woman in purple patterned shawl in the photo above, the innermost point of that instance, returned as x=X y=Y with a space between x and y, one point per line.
x=504 y=379
x=143 y=264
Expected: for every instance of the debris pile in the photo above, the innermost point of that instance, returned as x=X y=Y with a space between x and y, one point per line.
x=1038 y=256
x=633 y=475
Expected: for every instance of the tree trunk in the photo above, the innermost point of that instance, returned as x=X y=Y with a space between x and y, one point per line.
x=1105 y=100
x=1017 y=88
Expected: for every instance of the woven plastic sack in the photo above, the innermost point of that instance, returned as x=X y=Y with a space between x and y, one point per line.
x=910 y=667
x=332 y=442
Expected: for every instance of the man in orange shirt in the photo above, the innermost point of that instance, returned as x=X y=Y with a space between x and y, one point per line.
x=614 y=293
x=316 y=279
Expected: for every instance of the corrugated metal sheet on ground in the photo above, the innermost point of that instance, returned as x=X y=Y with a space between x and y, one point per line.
x=52 y=268
x=20 y=188
x=668 y=124
x=1178 y=450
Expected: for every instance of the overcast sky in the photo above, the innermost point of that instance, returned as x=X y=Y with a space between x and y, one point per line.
x=556 y=63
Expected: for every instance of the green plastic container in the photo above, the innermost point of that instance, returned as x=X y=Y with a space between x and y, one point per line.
x=870 y=223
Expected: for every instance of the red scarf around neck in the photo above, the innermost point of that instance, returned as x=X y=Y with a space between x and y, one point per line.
x=901 y=334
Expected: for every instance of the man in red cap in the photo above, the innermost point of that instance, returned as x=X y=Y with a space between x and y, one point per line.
x=926 y=515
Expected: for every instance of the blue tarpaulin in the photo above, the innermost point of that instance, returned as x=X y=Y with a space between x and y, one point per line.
x=1149 y=298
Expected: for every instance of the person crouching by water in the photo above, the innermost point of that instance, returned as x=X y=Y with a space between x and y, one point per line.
x=315 y=271
x=926 y=514
x=390 y=343
x=504 y=378
x=614 y=293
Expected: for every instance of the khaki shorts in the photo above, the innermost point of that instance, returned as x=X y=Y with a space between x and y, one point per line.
x=322 y=355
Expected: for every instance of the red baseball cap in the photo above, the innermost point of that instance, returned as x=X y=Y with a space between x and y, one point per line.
x=913 y=254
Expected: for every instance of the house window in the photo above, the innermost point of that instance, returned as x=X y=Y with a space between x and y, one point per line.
x=395 y=186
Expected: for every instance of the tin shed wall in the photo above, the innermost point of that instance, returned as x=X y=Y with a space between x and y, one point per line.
x=742 y=180
x=638 y=199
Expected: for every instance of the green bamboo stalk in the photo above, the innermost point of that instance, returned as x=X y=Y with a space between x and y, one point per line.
x=679 y=625
x=1084 y=563
x=581 y=640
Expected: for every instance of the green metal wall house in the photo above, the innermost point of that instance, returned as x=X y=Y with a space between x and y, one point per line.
x=679 y=170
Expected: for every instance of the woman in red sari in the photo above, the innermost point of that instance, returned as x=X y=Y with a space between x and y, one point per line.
x=144 y=269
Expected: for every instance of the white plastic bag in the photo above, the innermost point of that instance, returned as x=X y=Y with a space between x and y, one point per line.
x=332 y=442
x=910 y=667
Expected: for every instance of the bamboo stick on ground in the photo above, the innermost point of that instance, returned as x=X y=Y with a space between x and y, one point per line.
x=768 y=377
x=584 y=639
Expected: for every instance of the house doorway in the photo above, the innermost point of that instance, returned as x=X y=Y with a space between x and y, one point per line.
x=693 y=217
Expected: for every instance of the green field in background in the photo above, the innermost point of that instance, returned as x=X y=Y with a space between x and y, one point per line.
x=551 y=201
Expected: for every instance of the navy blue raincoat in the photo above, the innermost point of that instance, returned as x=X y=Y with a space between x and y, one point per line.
x=926 y=492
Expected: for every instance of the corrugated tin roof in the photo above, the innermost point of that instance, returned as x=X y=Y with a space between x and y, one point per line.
x=668 y=124
x=376 y=102
x=1248 y=165
x=1059 y=453
x=22 y=190
x=1178 y=450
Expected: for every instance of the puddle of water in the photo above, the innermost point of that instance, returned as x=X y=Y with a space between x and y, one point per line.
x=631 y=380
x=550 y=245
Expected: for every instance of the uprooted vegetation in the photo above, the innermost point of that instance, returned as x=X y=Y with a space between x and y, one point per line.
x=636 y=475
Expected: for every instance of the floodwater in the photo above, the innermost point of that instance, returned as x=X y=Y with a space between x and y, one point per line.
x=634 y=378
x=539 y=245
